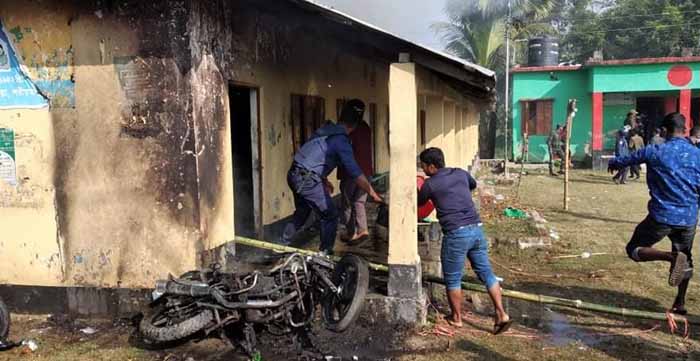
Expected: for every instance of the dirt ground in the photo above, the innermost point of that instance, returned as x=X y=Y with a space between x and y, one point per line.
x=601 y=218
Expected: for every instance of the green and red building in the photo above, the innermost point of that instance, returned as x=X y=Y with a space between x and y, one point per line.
x=606 y=90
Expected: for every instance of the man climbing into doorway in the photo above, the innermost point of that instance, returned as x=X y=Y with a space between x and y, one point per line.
x=354 y=198
x=327 y=149
x=463 y=237
x=554 y=145
x=673 y=177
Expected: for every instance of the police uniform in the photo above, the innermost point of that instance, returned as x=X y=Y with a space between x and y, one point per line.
x=327 y=149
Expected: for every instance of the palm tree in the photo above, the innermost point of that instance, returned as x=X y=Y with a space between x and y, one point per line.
x=475 y=31
x=475 y=28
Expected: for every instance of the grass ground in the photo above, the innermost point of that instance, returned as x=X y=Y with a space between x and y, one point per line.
x=601 y=218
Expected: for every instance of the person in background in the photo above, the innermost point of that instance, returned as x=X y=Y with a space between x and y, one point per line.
x=354 y=198
x=622 y=150
x=657 y=137
x=562 y=148
x=463 y=237
x=328 y=148
x=554 y=146
x=673 y=177
x=694 y=137
x=636 y=143
x=631 y=119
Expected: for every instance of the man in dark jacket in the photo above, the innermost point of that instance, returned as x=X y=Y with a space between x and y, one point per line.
x=555 y=149
x=354 y=198
x=673 y=177
x=327 y=149
x=622 y=150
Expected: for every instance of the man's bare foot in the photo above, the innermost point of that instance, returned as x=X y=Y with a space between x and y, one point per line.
x=451 y=320
x=358 y=238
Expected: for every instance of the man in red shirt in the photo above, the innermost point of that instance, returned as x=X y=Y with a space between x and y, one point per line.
x=354 y=198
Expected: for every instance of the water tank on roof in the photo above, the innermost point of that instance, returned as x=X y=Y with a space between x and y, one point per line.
x=543 y=51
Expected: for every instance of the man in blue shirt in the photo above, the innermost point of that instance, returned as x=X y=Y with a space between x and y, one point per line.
x=673 y=177
x=327 y=149
x=450 y=191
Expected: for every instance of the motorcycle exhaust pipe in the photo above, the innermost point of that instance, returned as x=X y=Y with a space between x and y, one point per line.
x=180 y=288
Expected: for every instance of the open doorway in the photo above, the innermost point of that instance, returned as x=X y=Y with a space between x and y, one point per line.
x=243 y=102
x=651 y=111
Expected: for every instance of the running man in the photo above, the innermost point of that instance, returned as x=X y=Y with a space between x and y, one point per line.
x=673 y=178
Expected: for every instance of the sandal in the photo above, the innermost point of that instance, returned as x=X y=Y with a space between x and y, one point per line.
x=502 y=327
x=358 y=241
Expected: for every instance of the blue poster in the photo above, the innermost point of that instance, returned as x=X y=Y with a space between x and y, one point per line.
x=16 y=89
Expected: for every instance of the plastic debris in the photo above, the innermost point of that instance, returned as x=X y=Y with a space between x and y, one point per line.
x=511 y=212
x=500 y=197
x=89 y=331
x=31 y=344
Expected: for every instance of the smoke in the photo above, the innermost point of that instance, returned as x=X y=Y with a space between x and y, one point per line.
x=410 y=19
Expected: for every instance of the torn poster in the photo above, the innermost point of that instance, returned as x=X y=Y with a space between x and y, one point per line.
x=16 y=89
x=8 y=165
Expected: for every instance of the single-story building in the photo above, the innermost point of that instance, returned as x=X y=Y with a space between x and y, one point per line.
x=137 y=135
x=606 y=90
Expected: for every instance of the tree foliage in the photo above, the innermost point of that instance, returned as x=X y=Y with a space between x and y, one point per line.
x=626 y=29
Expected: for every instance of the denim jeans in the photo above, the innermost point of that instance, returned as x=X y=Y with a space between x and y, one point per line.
x=466 y=242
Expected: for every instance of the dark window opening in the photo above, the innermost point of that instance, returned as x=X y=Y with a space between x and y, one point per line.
x=308 y=114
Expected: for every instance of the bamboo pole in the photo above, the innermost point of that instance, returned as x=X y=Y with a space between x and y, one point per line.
x=571 y=113
x=530 y=297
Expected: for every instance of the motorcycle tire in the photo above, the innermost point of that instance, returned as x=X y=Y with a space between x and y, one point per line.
x=356 y=286
x=174 y=332
x=4 y=320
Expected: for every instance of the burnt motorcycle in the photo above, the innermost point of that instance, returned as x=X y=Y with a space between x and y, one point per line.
x=238 y=306
x=4 y=326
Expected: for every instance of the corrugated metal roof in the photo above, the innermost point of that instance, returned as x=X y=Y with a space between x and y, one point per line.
x=466 y=64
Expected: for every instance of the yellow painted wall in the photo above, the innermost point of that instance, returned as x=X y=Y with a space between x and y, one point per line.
x=284 y=60
x=102 y=202
x=95 y=206
x=452 y=119
x=30 y=252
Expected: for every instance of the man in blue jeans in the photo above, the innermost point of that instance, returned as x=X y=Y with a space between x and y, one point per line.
x=673 y=178
x=450 y=191
x=327 y=149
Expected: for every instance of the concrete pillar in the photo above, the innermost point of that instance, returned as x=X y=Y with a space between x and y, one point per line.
x=684 y=108
x=434 y=128
x=597 y=123
x=404 y=263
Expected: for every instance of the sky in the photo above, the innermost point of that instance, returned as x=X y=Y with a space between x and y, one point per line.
x=410 y=19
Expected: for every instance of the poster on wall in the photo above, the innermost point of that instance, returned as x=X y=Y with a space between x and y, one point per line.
x=16 y=89
x=8 y=165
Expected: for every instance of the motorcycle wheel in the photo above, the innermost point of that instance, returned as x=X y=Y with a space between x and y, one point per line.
x=158 y=325
x=4 y=320
x=341 y=310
